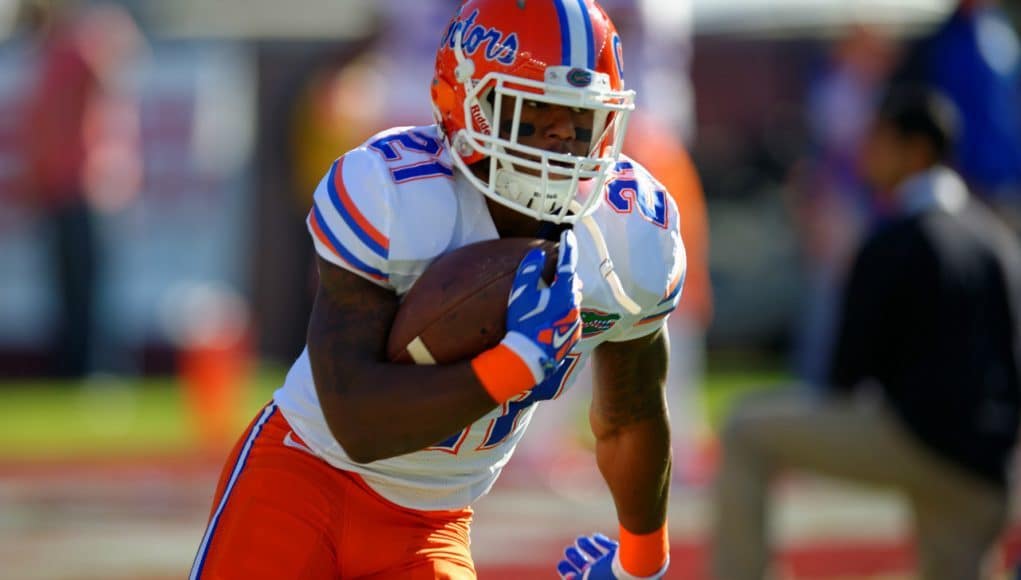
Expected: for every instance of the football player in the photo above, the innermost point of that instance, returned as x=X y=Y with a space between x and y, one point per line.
x=364 y=468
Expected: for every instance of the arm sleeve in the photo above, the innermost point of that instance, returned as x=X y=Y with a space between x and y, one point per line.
x=351 y=217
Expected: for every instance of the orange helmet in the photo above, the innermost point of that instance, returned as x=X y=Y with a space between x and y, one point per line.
x=497 y=55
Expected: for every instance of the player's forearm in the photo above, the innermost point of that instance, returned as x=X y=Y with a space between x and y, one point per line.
x=373 y=408
x=384 y=410
x=629 y=419
x=377 y=409
x=635 y=462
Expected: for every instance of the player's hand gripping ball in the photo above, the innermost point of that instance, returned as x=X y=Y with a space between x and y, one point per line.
x=458 y=307
x=544 y=322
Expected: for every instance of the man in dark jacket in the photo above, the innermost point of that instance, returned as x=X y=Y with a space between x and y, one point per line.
x=925 y=372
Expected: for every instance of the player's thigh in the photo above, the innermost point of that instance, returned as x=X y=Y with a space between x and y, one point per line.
x=271 y=527
x=272 y=518
x=428 y=569
x=850 y=438
x=379 y=539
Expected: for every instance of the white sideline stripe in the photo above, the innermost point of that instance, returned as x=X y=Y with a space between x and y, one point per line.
x=420 y=353
x=239 y=465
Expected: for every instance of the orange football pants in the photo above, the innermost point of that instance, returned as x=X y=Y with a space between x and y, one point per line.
x=281 y=512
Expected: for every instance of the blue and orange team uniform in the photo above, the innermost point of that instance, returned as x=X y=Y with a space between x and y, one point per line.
x=291 y=500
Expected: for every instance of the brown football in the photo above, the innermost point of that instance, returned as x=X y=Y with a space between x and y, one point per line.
x=458 y=307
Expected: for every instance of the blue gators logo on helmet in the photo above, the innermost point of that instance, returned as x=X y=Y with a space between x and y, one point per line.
x=579 y=77
x=499 y=47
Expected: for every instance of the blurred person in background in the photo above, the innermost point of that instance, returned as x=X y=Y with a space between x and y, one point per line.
x=924 y=381
x=388 y=75
x=974 y=58
x=361 y=467
x=81 y=144
x=833 y=206
x=389 y=79
x=320 y=122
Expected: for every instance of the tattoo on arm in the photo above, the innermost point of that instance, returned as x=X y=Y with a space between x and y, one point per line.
x=350 y=316
x=629 y=381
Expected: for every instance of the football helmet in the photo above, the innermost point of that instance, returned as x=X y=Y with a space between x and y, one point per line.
x=498 y=56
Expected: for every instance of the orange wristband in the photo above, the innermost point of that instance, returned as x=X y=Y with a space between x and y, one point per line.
x=502 y=373
x=644 y=554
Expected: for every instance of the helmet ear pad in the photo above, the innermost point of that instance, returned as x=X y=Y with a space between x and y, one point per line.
x=444 y=101
x=451 y=113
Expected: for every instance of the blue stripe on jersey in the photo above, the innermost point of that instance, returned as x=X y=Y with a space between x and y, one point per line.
x=343 y=252
x=359 y=231
x=655 y=317
x=673 y=294
x=421 y=170
x=239 y=466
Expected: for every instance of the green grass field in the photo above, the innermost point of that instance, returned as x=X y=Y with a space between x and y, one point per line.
x=47 y=420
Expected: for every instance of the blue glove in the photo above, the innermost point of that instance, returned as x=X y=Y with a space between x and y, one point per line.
x=544 y=324
x=595 y=558
x=589 y=559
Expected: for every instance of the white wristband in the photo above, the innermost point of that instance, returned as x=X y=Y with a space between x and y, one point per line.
x=622 y=574
x=527 y=351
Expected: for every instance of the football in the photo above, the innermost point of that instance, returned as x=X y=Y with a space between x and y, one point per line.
x=458 y=307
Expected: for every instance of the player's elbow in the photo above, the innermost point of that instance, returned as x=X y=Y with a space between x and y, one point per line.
x=350 y=416
x=361 y=454
x=356 y=446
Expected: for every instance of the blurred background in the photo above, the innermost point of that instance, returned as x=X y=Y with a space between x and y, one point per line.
x=157 y=160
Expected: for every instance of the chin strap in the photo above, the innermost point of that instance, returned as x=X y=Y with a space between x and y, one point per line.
x=606 y=267
x=465 y=68
x=550 y=231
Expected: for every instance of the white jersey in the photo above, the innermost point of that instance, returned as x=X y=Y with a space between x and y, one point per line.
x=387 y=209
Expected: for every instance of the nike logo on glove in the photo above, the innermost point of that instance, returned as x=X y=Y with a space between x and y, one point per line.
x=559 y=338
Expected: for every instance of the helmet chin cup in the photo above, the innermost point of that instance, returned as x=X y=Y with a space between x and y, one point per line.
x=528 y=191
